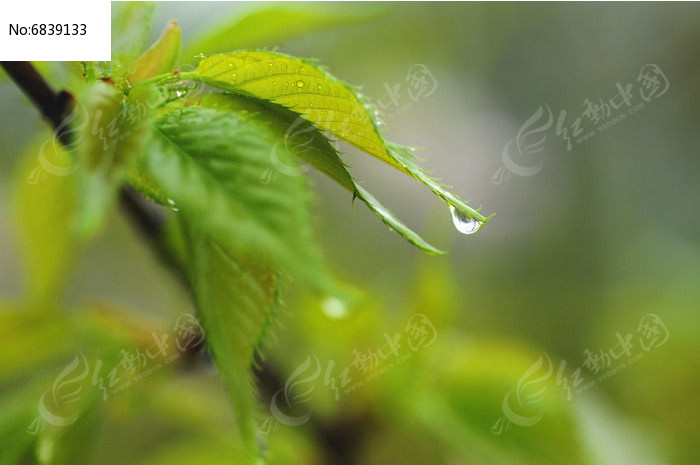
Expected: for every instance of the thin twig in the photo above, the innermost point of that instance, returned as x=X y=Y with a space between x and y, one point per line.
x=56 y=107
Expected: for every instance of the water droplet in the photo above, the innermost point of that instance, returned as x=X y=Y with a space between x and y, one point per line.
x=230 y=65
x=234 y=75
x=319 y=87
x=172 y=205
x=269 y=64
x=286 y=84
x=334 y=308
x=464 y=224
x=300 y=83
x=274 y=83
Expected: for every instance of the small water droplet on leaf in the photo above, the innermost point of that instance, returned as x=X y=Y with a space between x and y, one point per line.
x=300 y=83
x=464 y=224
x=172 y=205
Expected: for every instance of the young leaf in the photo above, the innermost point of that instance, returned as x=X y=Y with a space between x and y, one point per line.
x=209 y=165
x=274 y=24
x=45 y=205
x=235 y=298
x=163 y=56
x=326 y=102
x=308 y=144
x=109 y=134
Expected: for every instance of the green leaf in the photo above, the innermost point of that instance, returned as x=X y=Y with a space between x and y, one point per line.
x=17 y=409
x=274 y=24
x=328 y=103
x=236 y=298
x=109 y=134
x=45 y=206
x=209 y=165
x=163 y=56
x=308 y=144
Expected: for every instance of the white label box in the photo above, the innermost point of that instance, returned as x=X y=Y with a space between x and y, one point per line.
x=60 y=30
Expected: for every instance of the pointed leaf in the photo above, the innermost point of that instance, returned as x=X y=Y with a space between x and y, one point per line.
x=328 y=103
x=209 y=165
x=308 y=144
x=235 y=298
x=45 y=206
x=163 y=56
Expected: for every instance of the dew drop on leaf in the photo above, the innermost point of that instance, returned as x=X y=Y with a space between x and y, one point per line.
x=464 y=224
x=334 y=307
x=172 y=205
x=300 y=83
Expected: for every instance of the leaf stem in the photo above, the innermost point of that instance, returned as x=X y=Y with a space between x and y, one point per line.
x=161 y=78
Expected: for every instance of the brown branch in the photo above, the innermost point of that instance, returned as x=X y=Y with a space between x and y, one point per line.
x=56 y=107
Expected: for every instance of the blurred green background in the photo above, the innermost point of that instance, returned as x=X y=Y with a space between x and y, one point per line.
x=604 y=234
